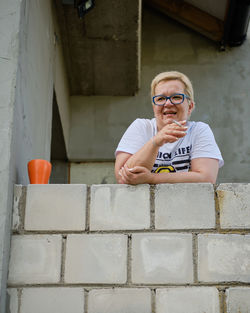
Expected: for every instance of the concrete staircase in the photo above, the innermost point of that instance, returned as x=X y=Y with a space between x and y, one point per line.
x=182 y=248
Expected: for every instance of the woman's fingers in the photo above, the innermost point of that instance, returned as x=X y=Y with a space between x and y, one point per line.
x=178 y=125
x=171 y=133
x=133 y=175
x=126 y=174
x=170 y=136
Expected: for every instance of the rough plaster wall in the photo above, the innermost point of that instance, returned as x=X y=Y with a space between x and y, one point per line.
x=221 y=83
x=34 y=85
x=9 y=26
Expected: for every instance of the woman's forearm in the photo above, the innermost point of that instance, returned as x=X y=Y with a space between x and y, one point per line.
x=203 y=170
x=181 y=177
x=145 y=156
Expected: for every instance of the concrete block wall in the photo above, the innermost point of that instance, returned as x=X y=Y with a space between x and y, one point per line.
x=119 y=248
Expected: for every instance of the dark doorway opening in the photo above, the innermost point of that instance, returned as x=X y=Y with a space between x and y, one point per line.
x=58 y=152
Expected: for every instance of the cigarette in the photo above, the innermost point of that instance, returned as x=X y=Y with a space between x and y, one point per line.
x=177 y=123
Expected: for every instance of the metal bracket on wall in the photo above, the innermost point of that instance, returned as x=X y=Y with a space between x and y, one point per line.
x=82 y=6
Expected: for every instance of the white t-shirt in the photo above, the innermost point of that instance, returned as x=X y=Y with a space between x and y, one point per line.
x=199 y=142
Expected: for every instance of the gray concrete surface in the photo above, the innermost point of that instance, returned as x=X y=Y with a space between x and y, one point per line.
x=92 y=173
x=9 y=28
x=102 y=49
x=221 y=83
x=34 y=93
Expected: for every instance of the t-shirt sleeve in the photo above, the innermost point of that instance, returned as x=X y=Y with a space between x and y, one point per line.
x=204 y=144
x=135 y=137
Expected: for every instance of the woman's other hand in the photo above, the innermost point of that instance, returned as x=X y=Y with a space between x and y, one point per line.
x=170 y=133
x=134 y=176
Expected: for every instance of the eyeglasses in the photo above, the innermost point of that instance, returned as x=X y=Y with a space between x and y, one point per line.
x=177 y=98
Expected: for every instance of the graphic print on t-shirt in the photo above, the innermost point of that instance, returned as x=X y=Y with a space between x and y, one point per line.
x=178 y=160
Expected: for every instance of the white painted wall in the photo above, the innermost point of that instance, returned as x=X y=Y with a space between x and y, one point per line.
x=40 y=69
x=34 y=85
x=9 y=27
x=221 y=82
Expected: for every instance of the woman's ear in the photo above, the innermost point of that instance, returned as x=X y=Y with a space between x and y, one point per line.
x=191 y=107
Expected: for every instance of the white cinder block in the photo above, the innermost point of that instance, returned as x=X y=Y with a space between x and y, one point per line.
x=238 y=300
x=223 y=258
x=96 y=258
x=55 y=207
x=162 y=258
x=119 y=207
x=52 y=300
x=188 y=300
x=184 y=206
x=13 y=300
x=234 y=203
x=132 y=300
x=35 y=259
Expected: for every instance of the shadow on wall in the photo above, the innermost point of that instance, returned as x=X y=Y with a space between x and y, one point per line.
x=59 y=160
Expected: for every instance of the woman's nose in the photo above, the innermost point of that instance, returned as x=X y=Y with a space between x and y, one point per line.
x=168 y=103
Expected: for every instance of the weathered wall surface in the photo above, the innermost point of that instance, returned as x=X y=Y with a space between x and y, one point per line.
x=221 y=83
x=119 y=248
x=9 y=28
x=104 y=43
x=40 y=67
x=34 y=86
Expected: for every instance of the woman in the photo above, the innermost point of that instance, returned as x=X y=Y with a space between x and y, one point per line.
x=168 y=148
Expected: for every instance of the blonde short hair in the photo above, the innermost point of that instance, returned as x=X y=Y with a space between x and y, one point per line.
x=173 y=75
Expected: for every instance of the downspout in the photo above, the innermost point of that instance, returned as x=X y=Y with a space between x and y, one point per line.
x=236 y=23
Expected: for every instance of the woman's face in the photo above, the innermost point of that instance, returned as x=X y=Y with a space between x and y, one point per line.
x=168 y=112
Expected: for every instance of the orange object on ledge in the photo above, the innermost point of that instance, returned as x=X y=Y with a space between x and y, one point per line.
x=39 y=171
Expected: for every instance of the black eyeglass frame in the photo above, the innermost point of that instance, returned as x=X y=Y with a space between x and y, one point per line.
x=166 y=98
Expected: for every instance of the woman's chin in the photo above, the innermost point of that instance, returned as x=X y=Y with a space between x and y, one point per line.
x=168 y=119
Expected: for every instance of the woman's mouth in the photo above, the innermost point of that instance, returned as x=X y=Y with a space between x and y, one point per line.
x=169 y=113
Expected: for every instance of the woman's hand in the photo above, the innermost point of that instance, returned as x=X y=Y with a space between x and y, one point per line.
x=135 y=176
x=170 y=133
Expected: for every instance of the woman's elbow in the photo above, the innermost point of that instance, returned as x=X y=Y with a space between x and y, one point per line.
x=209 y=178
